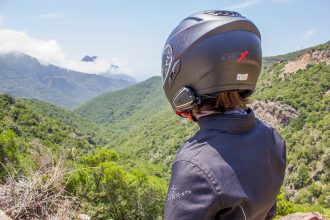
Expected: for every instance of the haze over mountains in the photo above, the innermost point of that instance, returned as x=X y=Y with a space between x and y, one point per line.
x=113 y=72
x=24 y=76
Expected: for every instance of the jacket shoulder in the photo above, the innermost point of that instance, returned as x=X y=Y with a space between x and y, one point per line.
x=193 y=151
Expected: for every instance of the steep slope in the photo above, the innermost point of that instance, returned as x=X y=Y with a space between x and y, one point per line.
x=141 y=126
x=24 y=76
x=307 y=136
x=60 y=114
x=112 y=107
x=53 y=168
x=28 y=138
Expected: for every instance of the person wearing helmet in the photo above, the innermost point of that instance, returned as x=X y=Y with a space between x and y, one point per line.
x=233 y=167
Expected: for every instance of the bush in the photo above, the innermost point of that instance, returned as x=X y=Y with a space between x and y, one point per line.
x=109 y=191
x=38 y=195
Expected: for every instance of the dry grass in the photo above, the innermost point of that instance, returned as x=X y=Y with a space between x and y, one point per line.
x=39 y=195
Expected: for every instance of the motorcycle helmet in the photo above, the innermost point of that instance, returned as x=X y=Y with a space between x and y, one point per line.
x=209 y=52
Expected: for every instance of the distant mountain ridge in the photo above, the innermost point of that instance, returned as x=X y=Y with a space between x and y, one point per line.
x=24 y=76
x=119 y=76
x=112 y=72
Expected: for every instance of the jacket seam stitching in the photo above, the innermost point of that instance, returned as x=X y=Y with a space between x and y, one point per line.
x=216 y=191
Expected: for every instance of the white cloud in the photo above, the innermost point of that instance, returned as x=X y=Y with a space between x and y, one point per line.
x=310 y=33
x=242 y=5
x=49 y=51
x=52 y=15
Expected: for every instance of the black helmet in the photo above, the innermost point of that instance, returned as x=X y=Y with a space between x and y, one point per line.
x=209 y=52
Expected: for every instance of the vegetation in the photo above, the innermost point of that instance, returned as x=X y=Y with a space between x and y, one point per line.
x=106 y=109
x=39 y=195
x=307 y=136
x=116 y=149
x=34 y=139
x=109 y=190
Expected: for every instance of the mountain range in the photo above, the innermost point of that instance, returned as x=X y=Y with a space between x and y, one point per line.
x=24 y=76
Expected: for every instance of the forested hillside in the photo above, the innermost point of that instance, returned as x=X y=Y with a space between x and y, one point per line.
x=53 y=166
x=111 y=157
x=308 y=135
x=117 y=106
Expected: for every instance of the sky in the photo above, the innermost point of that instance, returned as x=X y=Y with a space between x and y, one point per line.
x=131 y=33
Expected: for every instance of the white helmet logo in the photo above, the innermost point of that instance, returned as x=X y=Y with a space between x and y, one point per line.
x=242 y=77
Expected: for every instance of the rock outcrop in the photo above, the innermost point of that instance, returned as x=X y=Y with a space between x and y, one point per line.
x=303 y=61
x=275 y=114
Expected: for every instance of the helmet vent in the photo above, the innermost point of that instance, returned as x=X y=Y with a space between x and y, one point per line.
x=223 y=13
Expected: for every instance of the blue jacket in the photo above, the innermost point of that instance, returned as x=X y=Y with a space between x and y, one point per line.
x=232 y=168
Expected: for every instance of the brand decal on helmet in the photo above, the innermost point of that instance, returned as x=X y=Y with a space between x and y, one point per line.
x=243 y=56
x=238 y=57
x=241 y=76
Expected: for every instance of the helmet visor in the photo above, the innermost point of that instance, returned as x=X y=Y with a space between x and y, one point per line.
x=167 y=59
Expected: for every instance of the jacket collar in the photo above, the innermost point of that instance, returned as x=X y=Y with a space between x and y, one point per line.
x=228 y=123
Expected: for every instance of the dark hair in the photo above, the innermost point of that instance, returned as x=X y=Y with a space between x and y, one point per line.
x=224 y=101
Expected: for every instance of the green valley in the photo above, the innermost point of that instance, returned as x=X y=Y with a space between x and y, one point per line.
x=117 y=148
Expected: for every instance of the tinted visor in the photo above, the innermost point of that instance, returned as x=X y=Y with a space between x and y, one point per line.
x=167 y=59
